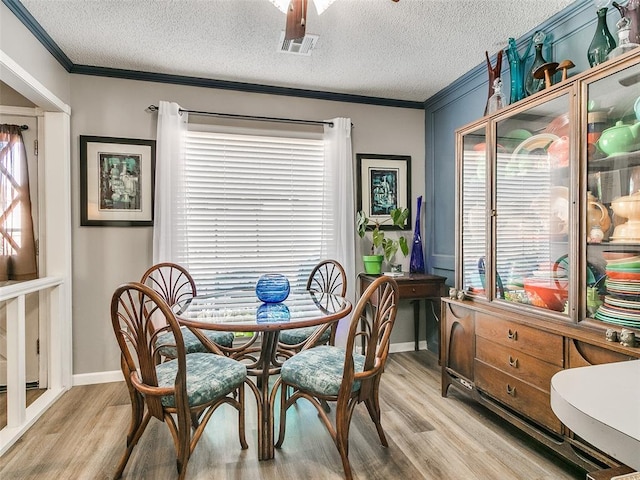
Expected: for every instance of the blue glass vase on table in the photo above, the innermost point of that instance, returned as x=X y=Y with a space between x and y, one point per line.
x=272 y=288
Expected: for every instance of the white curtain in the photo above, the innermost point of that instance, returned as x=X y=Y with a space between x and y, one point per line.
x=168 y=241
x=340 y=195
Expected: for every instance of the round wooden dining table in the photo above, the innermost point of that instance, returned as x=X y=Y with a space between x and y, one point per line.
x=240 y=311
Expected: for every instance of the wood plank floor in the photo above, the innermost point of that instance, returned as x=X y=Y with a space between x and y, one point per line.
x=430 y=437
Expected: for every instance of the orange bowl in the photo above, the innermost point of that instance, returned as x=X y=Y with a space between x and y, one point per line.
x=560 y=126
x=550 y=294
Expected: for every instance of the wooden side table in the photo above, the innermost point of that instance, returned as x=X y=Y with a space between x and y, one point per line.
x=416 y=287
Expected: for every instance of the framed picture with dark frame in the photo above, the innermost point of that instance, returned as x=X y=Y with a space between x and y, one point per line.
x=117 y=177
x=384 y=183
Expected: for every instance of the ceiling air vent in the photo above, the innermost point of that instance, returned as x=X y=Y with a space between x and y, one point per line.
x=298 y=46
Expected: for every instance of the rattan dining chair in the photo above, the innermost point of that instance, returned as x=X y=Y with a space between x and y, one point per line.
x=349 y=375
x=174 y=283
x=327 y=276
x=189 y=387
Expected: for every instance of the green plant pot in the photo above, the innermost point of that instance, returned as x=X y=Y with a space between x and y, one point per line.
x=373 y=264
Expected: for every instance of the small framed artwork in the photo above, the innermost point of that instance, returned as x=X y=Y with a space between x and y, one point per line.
x=116 y=181
x=384 y=183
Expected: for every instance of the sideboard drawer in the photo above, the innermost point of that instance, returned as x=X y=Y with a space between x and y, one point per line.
x=525 y=398
x=516 y=363
x=537 y=343
x=419 y=290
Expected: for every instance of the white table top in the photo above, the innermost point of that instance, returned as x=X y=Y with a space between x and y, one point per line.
x=601 y=403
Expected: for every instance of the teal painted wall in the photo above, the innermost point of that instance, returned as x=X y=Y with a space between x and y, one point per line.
x=569 y=34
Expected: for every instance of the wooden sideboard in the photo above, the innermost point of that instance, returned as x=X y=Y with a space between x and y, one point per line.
x=417 y=287
x=505 y=360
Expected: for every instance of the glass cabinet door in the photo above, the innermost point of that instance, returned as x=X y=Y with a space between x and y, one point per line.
x=532 y=214
x=473 y=221
x=611 y=138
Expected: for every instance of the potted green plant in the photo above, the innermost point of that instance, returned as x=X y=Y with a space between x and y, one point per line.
x=379 y=243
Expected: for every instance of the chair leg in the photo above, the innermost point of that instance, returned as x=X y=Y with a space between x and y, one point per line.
x=284 y=389
x=195 y=420
x=344 y=411
x=137 y=413
x=342 y=442
x=184 y=450
x=132 y=440
x=241 y=422
x=374 y=412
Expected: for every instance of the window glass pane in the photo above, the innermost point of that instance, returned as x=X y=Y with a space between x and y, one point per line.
x=474 y=208
x=532 y=205
x=253 y=205
x=613 y=199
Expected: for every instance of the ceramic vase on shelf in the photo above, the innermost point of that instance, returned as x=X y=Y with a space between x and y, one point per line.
x=416 y=264
x=602 y=42
x=531 y=84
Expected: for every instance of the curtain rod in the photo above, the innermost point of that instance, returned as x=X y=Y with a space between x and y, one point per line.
x=153 y=108
x=22 y=127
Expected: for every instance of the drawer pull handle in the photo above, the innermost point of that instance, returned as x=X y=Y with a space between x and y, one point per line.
x=513 y=362
x=511 y=390
x=512 y=335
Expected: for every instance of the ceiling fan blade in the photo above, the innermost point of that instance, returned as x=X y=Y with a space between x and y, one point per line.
x=296 y=19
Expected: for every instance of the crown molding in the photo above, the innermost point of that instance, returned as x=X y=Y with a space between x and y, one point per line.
x=241 y=86
x=43 y=37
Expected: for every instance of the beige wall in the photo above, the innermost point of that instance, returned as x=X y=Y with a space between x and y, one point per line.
x=9 y=97
x=104 y=257
x=23 y=48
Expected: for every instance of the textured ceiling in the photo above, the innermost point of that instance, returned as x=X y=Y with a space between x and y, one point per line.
x=407 y=50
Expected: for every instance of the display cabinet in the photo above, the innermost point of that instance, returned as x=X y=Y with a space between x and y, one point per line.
x=548 y=248
x=527 y=258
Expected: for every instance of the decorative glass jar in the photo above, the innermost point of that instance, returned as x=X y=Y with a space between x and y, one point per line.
x=272 y=288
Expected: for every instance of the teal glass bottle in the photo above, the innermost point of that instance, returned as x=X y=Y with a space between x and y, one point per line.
x=602 y=42
x=516 y=70
x=531 y=84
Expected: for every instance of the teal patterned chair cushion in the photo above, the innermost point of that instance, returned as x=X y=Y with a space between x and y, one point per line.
x=166 y=343
x=299 y=335
x=319 y=370
x=208 y=377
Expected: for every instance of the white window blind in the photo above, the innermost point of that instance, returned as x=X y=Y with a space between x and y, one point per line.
x=474 y=240
x=253 y=204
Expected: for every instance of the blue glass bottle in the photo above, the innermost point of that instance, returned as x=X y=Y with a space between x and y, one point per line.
x=416 y=264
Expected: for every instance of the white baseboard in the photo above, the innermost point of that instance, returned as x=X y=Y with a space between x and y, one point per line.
x=407 y=346
x=97 y=377
x=116 y=375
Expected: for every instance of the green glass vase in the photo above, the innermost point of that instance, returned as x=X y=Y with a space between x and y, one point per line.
x=602 y=42
x=531 y=84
